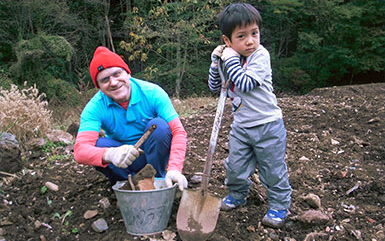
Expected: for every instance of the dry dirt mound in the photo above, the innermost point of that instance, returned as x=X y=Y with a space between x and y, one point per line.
x=335 y=150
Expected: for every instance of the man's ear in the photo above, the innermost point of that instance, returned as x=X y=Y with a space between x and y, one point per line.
x=226 y=40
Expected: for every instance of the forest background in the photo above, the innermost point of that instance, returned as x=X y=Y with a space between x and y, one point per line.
x=312 y=43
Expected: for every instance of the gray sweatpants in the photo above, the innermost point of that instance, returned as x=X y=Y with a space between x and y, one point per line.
x=263 y=146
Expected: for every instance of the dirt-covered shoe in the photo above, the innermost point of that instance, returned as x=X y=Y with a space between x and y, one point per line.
x=275 y=218
x=229 y=203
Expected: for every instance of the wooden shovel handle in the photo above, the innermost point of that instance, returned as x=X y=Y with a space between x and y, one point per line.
x=215 y=132
x=145 y=136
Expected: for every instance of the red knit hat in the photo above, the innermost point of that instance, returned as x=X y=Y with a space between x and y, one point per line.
x=103 y=59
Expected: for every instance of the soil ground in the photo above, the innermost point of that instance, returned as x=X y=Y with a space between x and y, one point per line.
x=335 y=140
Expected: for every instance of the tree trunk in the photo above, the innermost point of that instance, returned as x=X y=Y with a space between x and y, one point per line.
x=178 y=67
x=109 y=34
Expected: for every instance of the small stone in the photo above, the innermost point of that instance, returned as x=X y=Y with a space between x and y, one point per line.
x=168 y=235
x=52 y=186
x=105 y=203
x=55 y=135
x=313 y=200
x=334 y=142
x=90 y=214
x=99 y=225
x=315 y=236
x=10 y=154
x=196 y=179
x=304 y=158
x=273 y=236
x=314 y=217
x=37 y=224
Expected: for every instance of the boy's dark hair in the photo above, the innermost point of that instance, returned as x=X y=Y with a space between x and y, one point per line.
x=238 y=14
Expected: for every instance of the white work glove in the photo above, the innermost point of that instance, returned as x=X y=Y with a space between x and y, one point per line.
x=175 y=176
x=217 y=53
x=121 y=156
x=228 y=53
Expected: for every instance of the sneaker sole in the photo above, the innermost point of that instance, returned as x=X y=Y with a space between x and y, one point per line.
x=273 y=224
x=224 y=207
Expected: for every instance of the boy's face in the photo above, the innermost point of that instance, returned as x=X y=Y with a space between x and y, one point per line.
x=244 y=39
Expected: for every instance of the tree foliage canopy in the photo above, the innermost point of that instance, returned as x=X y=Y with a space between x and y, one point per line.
x=312 y=43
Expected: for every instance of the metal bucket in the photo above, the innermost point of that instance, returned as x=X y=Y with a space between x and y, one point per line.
x=146 y=212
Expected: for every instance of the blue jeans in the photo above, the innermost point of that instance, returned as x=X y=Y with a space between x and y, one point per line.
x=156 y=152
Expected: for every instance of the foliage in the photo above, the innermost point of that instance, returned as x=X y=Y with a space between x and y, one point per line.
x=24 y=113
x=42 y=54
x=42 y=61
x=290 y=77
x=339 y=40
x=175 y=40
x=5 y=81
x=79 y=23
x=43 y=190
x=322 y=43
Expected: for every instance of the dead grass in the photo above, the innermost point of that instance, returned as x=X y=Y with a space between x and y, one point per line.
x=24 y=113
x=193 y=105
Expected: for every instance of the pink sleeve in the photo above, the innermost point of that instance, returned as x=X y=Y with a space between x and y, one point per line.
x=178 y=145
x=85 y=151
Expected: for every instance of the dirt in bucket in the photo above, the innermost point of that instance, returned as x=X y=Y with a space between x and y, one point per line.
x=143 y=180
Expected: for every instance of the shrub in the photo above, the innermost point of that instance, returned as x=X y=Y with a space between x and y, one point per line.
x=288 y=76
x=5 y=82
x=60 y=92
x=44 y=60
x=24 y=113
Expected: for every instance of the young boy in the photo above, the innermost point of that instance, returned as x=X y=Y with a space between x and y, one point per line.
x=258 y=135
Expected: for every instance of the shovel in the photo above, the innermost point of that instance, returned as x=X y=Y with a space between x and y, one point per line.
x=198 y=210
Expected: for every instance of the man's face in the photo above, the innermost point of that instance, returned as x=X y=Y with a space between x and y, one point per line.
x=244 y=39
x=115 y=83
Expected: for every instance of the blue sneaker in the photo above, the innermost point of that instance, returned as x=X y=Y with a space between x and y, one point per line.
x=275 y=218
x=229 y=203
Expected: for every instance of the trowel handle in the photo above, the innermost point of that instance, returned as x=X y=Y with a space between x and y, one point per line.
x=145 y=136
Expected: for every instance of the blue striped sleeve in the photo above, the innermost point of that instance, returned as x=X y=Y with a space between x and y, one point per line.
x=214 y=80
x=238 y=75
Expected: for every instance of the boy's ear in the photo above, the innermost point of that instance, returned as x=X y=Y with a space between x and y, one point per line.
x=226 y=40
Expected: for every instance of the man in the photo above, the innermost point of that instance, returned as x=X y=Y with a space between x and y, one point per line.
x=125 y=107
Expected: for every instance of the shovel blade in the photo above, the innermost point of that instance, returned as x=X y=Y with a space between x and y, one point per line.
x=197 y=215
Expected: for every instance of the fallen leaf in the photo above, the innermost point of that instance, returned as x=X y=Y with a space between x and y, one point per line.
x=370 y=220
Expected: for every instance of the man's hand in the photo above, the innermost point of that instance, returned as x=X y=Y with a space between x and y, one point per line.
x=175 y=176
x=121 y=156
x=217 y=53
x=228 y=53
